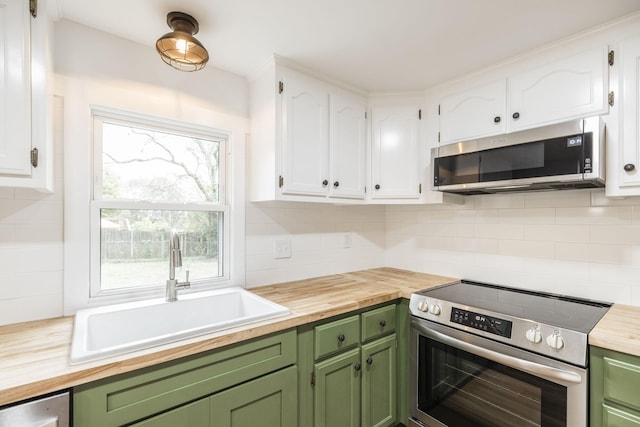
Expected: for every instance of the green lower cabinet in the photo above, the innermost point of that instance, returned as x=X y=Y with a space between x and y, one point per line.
x=195 y=414
x=337 y=391
x=270 y=401
x=158 y=395
x=379 y=382
x=614 y=389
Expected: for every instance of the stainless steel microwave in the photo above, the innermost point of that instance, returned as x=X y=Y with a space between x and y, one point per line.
x=562 y=156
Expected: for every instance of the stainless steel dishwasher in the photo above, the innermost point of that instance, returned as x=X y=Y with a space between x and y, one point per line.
x=50 y=411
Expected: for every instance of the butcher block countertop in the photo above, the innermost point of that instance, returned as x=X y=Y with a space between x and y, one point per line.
x=618 y=330
x=34 y=356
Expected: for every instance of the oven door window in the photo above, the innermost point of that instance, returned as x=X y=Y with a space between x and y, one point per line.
x=461 y=389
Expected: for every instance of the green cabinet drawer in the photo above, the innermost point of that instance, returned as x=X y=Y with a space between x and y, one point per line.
x=378 y=322
x=336 y=336
x=130 y=397
x=622 y=382
x=613 y=417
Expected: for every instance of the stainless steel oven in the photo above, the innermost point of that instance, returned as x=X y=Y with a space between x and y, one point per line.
x=492 y=356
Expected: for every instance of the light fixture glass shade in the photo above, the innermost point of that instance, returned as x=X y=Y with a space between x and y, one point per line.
x=179 y=48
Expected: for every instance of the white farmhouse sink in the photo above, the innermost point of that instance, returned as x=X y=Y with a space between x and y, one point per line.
x=116 y=329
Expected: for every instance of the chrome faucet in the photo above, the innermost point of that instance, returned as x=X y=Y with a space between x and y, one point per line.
x=175 y=260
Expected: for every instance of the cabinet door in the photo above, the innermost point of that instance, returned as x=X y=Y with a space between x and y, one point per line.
x=379 y=382
x=473 y=113
x=270 y=401
x=630 y=132
x=305 y=136
x=347 y=147
x=192 y=415
x=337 y=391
x=572 y=87
x=15 y=105
x=395 y=153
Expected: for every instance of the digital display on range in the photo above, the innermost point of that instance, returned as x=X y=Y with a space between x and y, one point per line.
x=481 y=322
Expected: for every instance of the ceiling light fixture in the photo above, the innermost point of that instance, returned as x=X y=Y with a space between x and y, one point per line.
x=179 y=48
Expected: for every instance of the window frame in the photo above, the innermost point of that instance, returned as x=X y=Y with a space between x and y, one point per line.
x=99 y=115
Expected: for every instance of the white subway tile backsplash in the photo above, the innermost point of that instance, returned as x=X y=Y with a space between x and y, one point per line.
x=527 y=216
x=557 y=233
x=594 y=215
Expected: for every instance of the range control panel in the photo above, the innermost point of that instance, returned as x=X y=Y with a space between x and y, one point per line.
x=481 y=322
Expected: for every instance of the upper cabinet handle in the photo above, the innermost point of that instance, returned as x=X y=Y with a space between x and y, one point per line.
x=497 y=119
x=516 y=115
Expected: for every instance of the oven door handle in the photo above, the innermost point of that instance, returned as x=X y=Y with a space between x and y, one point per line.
x=513 y=362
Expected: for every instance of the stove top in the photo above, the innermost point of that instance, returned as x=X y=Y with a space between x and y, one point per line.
x=549 y=324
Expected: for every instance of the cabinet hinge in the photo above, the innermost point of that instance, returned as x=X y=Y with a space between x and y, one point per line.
x=34 y=157
x=611 y=99
x=313 y=379
x=365 y=189
x=280 y=181
x=438 y=109
x=365 y=115
x=280 y=87
x=419 y=114
x=33 y=8
x=611 y=57
x=420 y=189
x=438 y=136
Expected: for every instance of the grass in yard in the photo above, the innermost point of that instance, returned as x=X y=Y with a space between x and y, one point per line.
x=126 y=274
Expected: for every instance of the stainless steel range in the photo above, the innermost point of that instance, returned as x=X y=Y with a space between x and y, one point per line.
x=487 y=355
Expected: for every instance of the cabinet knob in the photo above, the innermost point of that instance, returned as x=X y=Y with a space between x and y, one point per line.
x=629 y=167
x=377 y=186
x=516 y=115
x=341 y=337
x=336 y=184
x=357 y=366
x=496 y=119
x=369 y=361
x=382 y=323
x=325 y=183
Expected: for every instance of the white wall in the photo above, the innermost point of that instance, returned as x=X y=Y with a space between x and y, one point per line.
x=316 y=232
x=31 y=246
x=573 y=242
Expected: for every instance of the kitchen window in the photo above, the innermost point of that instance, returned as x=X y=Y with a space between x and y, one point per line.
x=150 y=177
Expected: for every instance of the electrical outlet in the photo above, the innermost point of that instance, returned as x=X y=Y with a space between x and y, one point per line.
x=283 y=249
x=346 y=240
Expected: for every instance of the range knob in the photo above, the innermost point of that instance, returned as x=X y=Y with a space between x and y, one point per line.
x=555 y=341
x=423 y=305
x=435 y=309
x=534 y=335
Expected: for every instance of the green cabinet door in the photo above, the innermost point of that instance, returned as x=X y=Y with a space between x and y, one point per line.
x=379 y=382
x=192 y=415
x=270 y=401
x=337 y=391
x=614 y=389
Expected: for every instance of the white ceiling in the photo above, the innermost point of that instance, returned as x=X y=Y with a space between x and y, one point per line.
x=377 y=45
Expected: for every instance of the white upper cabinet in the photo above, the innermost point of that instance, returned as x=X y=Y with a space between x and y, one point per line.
x=348 y=137
x=571 y=87
x=15 y=103
x=24 y=138
x=395 y=152
x=623 y=163
x=305 y=136
x=534 y=93
x=308 y=139
x=473 y=113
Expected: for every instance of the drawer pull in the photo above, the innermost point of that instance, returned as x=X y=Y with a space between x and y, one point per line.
x=357 y=366
x=369 y=361
x=341 y=337
x=383 y=323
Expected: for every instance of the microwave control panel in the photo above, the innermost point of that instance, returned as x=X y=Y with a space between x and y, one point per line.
x=481 y=322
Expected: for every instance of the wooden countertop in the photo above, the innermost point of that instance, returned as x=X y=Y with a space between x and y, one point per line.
x=618 y=330
x=34 y=356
